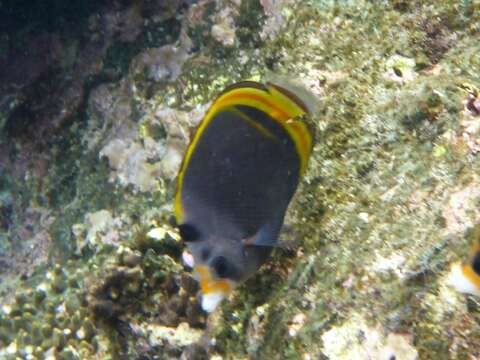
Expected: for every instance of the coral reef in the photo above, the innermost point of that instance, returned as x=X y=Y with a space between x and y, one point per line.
x=91 y=138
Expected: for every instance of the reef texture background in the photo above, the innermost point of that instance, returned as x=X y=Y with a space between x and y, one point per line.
x=97 y=103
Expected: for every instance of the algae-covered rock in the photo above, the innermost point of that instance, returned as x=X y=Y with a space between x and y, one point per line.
x=181 y=336
x=90 y=263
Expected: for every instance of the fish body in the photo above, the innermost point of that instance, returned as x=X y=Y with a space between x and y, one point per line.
x=237 y=178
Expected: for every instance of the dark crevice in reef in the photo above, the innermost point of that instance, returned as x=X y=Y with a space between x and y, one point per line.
x=53 y=53
x=44 y=15
x=47 y=64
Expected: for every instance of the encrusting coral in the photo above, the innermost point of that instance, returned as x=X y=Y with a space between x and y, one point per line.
x=386 y=207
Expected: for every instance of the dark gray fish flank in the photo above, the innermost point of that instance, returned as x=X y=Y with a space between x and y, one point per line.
x=238 y=179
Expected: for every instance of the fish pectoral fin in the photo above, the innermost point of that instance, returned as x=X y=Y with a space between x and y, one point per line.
x=249 y=241
x=267 y=235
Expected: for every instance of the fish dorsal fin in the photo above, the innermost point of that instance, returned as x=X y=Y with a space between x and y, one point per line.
x=289 y=94
x=243 y=85
x=266 y=98
x=293 y=89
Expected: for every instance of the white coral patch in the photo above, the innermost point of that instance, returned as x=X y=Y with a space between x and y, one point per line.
x=460 y=212
x=394 y=263
x=343 y=342
x=170 y=163
x=224 y=29
x=99 y=221
x=164 y=63
x=129 y=160
x=275 y=19
x=224 y=33
x=181 y=336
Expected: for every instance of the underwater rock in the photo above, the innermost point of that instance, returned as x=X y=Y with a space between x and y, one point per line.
x=224 y=33
x=99 y=228
x=130 y=164
x=473 y=104
x=131 y=258
x=470 y=122
x=181 y=336
x=398 y=346
x=400 y=69
x=356 y=340
x=296 y=324
x=161 y=64
x=177 y=125
x=460 y=203
x=402 y=149
x=275 y=19
x=110 y=115
x=162 y=238
x=224 y=29
x=194 y=352
x=113 y=295
x=97 y=222
x=143 y=162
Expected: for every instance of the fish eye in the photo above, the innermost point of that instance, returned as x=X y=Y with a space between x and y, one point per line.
x=221 y=267
x=188 y=232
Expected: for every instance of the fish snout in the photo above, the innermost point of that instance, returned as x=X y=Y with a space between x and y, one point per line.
x=213 y=289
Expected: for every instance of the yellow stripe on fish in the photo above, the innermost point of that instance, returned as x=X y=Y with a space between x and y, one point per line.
x=269 y=99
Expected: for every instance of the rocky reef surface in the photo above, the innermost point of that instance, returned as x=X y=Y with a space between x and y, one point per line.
x=96 y=109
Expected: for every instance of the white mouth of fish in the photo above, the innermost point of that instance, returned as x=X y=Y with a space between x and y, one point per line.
x=210 y=301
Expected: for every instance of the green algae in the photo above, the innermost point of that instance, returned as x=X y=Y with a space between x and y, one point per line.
x=373 y=215
x=249 y=24
x=72 y=187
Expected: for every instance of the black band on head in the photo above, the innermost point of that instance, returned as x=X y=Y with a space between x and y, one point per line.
x=188 y=232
